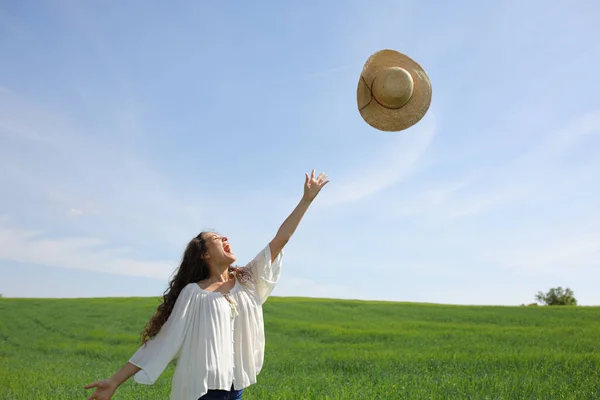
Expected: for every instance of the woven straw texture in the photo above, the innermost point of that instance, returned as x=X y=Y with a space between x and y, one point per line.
x=387 y=119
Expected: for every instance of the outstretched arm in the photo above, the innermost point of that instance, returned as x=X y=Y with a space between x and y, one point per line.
x=312 y=187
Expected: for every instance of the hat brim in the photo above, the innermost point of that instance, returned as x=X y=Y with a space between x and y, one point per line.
x=387 y=119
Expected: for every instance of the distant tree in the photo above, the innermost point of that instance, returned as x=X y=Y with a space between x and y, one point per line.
x=557 y=297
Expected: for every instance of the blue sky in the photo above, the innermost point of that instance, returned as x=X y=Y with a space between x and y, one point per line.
x=127 y=128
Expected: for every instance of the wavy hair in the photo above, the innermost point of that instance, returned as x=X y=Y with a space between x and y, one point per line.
x=193 y=268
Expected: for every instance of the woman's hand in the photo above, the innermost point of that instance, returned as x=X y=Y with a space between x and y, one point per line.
x=107 y=387
x=104 y=389
x=312 y=185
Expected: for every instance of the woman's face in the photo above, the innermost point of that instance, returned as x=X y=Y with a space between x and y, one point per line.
x=218 y=249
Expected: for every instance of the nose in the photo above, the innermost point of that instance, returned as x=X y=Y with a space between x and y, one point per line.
x=225 y=239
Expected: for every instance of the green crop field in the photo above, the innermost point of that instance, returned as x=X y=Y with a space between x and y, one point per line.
x=321 y=349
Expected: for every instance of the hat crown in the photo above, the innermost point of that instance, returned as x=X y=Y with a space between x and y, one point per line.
x=393 y=87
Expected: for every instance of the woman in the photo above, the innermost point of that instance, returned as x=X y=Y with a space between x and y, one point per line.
x=211 y=317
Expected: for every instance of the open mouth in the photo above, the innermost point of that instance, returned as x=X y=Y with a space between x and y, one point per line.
x=227 y=248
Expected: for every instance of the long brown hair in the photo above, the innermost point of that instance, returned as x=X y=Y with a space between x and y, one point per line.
x=193 y=268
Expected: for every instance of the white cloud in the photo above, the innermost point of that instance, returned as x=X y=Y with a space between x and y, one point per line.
x=378 y=170
x=568 y=137
x=533 y=176
x=75 y=212
x=85 y=253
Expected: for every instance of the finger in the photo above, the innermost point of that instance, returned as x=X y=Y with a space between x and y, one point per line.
x=91 y=385
x=306 y=180
x=312 y=176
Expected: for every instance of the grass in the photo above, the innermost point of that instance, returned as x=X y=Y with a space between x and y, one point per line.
x=321 y=349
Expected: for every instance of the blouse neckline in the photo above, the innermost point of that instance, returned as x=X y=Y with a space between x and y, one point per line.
x=231 y=291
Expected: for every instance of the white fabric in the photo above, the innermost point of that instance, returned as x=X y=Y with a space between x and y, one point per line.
x=215 y=343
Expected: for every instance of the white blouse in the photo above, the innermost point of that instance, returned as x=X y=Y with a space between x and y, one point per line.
x=217 y=342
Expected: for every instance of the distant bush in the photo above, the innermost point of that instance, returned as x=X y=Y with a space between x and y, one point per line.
x=557 y=297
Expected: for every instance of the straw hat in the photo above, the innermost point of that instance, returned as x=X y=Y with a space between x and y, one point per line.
x=393 y=92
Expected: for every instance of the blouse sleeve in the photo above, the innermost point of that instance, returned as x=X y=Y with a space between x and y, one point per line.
x=264 y=272
x=158 y=352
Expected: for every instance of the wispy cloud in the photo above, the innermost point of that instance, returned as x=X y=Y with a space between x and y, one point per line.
x=535 y=174
x=87 y=253
x=375 y=171
x=75 y=212
x=536 y=212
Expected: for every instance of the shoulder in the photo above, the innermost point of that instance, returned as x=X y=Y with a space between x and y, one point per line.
x=188 y=291
x=266 y=256
x=190 y=286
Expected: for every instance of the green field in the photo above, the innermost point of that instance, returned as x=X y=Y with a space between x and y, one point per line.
x=321 y=349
